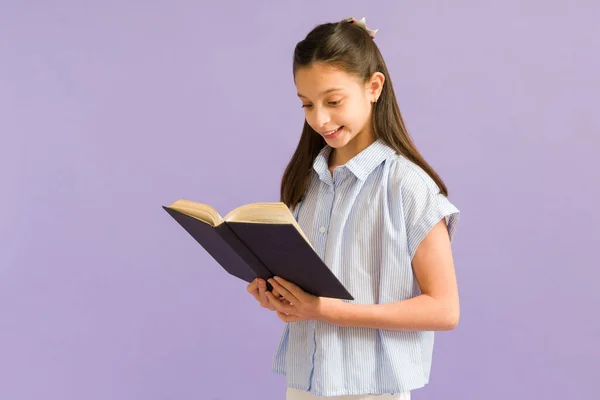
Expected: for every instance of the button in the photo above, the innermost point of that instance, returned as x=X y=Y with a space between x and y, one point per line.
x=322 y=229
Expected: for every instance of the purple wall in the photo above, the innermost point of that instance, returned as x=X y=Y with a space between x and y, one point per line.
x=111 y=110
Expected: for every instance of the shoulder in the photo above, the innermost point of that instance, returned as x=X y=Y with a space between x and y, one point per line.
x=415 y=198
x=407 y=177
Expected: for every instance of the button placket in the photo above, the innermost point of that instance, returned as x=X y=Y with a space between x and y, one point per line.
x=322 y=218
x=324 y=221
x=326 y=214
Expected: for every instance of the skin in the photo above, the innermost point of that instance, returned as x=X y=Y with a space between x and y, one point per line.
x=437 y=307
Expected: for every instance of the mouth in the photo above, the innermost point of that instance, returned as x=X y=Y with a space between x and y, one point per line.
x=334 y=132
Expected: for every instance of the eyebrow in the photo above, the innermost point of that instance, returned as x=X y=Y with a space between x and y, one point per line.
x=325 y=92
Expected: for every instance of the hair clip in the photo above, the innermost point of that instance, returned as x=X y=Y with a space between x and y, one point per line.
x=363 y=24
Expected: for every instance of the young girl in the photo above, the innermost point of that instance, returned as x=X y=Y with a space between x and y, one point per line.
x=378 y=215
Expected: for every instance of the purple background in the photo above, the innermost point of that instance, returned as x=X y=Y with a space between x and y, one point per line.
x=109 y=111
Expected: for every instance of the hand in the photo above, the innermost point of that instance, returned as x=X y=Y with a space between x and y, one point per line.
x=300 y=306
x=258 y=289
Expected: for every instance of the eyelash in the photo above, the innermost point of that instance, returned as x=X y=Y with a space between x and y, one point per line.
x=331 y=103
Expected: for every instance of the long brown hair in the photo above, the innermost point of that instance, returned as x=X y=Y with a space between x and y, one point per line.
x=348 y=47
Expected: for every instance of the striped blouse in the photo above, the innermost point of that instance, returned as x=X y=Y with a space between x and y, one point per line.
x=365 y=222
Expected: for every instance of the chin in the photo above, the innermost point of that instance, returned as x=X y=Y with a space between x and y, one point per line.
x=338 y=143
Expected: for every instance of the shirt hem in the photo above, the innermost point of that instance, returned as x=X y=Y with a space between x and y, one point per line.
x=357 y=391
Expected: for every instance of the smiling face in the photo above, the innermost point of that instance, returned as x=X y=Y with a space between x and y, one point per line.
x=337 y=105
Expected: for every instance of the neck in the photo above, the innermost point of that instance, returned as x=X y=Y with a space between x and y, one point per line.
x=341 y=155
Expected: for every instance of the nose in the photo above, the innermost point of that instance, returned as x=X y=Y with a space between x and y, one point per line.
x=321 y=118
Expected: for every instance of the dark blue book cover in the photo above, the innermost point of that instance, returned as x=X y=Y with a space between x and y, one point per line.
x=248 y=250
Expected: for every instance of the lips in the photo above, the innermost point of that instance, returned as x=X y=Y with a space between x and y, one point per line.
x=329 y=133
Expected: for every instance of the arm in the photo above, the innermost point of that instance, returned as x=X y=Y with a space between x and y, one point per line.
x=436 y=308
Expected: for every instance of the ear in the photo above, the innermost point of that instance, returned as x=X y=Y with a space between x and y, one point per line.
x=375 y=86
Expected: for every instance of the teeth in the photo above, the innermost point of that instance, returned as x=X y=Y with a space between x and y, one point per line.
x=332 y=132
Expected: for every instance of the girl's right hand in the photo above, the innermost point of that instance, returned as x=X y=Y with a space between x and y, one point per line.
x=257 y=289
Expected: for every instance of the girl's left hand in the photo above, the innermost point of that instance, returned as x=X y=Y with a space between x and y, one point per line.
x=300 y=306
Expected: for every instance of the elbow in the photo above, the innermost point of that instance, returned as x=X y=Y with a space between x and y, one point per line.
x=451 y=322
x=450 y=318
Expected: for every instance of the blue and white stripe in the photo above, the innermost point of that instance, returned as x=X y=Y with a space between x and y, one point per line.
x=365 y=222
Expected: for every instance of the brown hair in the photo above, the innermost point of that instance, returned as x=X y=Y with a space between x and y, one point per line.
x=349 y=47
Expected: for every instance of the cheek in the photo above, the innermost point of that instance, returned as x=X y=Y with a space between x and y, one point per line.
x=357 y=115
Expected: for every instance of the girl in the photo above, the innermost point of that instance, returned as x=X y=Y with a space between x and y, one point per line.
x=378 y=215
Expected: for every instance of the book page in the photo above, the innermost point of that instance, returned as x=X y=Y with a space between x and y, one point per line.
x=265 y=213
x=200 y=211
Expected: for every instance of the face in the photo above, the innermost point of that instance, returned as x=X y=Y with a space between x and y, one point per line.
x=337 y=105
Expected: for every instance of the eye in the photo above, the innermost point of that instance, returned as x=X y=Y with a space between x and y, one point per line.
x=334 y=103
x=306 y=105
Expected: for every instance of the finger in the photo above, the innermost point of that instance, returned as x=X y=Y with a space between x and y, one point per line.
x=264 y=302
x=279 y=306
x=284 y=301
x=279 y=296
x=294 y=289
x=252 y=286
x=275 y=293
x=261 y=293
x=287 y=318
x=253 y=289
x=283 y=290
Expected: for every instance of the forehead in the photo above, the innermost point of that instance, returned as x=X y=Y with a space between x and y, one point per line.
x=314 y=80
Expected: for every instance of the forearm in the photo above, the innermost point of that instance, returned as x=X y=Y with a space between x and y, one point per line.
x=422 y=312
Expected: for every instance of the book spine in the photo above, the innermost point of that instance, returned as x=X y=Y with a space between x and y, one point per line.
x=244 y=252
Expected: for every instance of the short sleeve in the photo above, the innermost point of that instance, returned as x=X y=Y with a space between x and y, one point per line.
x=423 y=206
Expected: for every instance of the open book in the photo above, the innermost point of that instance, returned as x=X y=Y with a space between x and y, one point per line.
x=259 y=240
x=265 y=213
